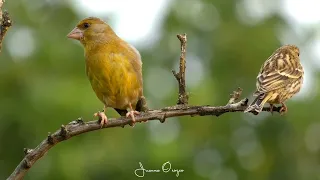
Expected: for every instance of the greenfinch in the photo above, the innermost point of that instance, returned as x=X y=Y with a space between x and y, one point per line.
x=280 y=77
x=113 y=66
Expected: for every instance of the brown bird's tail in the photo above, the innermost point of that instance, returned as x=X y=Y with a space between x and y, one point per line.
x=256 y=106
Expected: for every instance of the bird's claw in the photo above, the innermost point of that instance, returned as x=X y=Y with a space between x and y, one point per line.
x=102 y=117
x=271 y=109
x=283 y=109
x=132 y=115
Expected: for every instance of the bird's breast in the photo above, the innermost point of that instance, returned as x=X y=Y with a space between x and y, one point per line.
x=113 y=80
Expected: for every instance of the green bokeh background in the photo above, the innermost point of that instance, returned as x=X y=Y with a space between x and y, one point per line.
x=47 y=88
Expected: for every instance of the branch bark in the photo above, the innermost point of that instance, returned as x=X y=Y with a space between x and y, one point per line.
x=5 y=23
x=78 y=127
x=181 y=76
x=182 y=108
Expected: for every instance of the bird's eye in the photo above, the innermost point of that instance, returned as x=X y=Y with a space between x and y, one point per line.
x=86 y=25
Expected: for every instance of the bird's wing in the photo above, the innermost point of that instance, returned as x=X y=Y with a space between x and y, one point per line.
x=277 y=71
x=134 y=58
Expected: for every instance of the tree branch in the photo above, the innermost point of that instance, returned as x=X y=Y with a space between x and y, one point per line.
x=5 y=23
x=78 y=126
x=181 y=76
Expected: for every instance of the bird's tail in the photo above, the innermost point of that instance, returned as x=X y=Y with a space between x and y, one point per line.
x=256 y=106
x=142 y=105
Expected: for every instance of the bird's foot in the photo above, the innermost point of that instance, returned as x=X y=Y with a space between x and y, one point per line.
x=283 y=109
x=132 y=115
x=102 y=117
x=271 y=109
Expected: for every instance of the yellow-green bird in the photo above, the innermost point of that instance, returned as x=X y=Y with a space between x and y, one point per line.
x=113 y=66
x=280 y=77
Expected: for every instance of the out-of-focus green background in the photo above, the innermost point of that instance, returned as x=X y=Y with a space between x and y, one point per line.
x=43 y=85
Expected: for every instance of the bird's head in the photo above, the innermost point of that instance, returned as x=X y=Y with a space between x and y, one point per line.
x=91 y=29
x=293 y=49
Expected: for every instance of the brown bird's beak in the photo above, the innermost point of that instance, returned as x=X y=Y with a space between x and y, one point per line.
x=76 y=33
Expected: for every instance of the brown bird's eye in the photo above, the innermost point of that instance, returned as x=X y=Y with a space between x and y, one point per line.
x=86 y=25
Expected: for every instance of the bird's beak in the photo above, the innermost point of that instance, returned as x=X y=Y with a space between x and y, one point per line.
x=76 y=33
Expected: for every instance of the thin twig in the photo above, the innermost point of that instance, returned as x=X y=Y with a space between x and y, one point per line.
x=235 y=96
x=5 y=23
x=1 y=4
x=181 y=76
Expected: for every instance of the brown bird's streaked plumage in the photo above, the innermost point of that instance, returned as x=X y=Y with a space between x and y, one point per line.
x=113 y=66
x=280 y=77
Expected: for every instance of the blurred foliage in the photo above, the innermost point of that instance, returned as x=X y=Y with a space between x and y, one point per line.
x=43 y=85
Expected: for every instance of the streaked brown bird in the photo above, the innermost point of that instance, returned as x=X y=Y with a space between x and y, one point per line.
x=113 y=66
x=280 y=77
